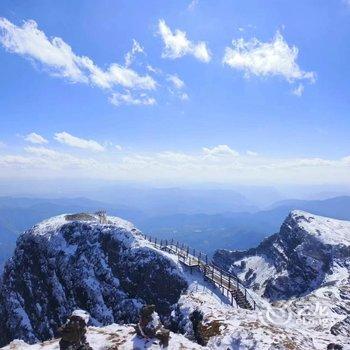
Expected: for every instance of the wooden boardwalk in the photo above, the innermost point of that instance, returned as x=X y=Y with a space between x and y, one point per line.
x=227 y=283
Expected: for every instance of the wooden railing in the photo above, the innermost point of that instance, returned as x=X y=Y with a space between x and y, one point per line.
x=229 y=284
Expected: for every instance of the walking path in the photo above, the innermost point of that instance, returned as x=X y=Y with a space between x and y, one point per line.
x=228 y=284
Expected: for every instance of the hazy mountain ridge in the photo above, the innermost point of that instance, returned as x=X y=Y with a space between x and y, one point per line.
x=240 y=230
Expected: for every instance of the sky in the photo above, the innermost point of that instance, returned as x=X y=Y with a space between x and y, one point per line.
x=244 y=92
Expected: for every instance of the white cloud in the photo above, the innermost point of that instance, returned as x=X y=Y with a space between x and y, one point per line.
x=266 y=59
x=58 y=58
x=252 y=153
x=31 y=42
x=219 y=164
x=177 y=44
x=192 y=5
x=154 y=69
x=299 y=90
x=127 y=98
x=117 y=75
x=35 y=138
x=73 y=141
x=130 y=56
x=184 y=97
x=118 y=147
x=176 y=81
x=176 y=157
x=46 y=158
x=2 y=144
x=42 y=151
x=220 y=151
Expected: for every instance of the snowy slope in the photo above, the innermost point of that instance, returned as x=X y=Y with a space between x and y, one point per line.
x=303 y=256
x=327 y=230
x=112 y=337
x=305 y=270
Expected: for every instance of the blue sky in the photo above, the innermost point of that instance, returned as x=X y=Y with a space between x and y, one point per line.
x=232 y=91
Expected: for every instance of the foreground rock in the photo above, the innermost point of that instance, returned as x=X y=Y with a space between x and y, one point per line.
x=111 y=338
x=149 y=326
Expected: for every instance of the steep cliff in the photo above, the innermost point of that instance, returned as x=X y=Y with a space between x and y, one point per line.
x=70 y=262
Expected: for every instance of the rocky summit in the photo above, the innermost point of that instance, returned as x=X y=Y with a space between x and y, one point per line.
x=70 y=262
x=308 y=252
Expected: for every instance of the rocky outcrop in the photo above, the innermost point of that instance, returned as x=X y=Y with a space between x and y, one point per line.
x=60 y=265
x=342 y=327
x=300 y=258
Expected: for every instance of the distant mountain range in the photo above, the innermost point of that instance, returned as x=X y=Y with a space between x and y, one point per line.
x=240 y=230
x=188 y=216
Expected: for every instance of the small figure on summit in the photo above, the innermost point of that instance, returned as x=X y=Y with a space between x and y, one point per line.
x=73 y=332
x=149 y=326
x=102 y=216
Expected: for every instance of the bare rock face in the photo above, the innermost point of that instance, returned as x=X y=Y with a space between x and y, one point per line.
x=302 y=257
x=342 y=327
x=106 y=269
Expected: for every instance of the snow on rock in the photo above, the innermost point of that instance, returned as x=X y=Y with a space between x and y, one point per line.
x=327 y=230
x=108 y=269
x=229 y=328
x=305 y=271
x=300 y=258
x=121 y=337
x=75 y=262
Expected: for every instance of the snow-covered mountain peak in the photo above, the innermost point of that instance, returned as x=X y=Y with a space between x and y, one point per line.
x=306 y=253
x=327 y=230
x=99 y=264
x=52 y=225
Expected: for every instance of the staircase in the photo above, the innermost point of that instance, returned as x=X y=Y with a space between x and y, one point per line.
x=227 y=283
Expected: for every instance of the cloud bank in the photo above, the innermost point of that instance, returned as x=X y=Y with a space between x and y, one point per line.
x=219 y=163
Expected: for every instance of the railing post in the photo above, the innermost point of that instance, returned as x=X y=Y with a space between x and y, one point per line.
x=183 y=252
